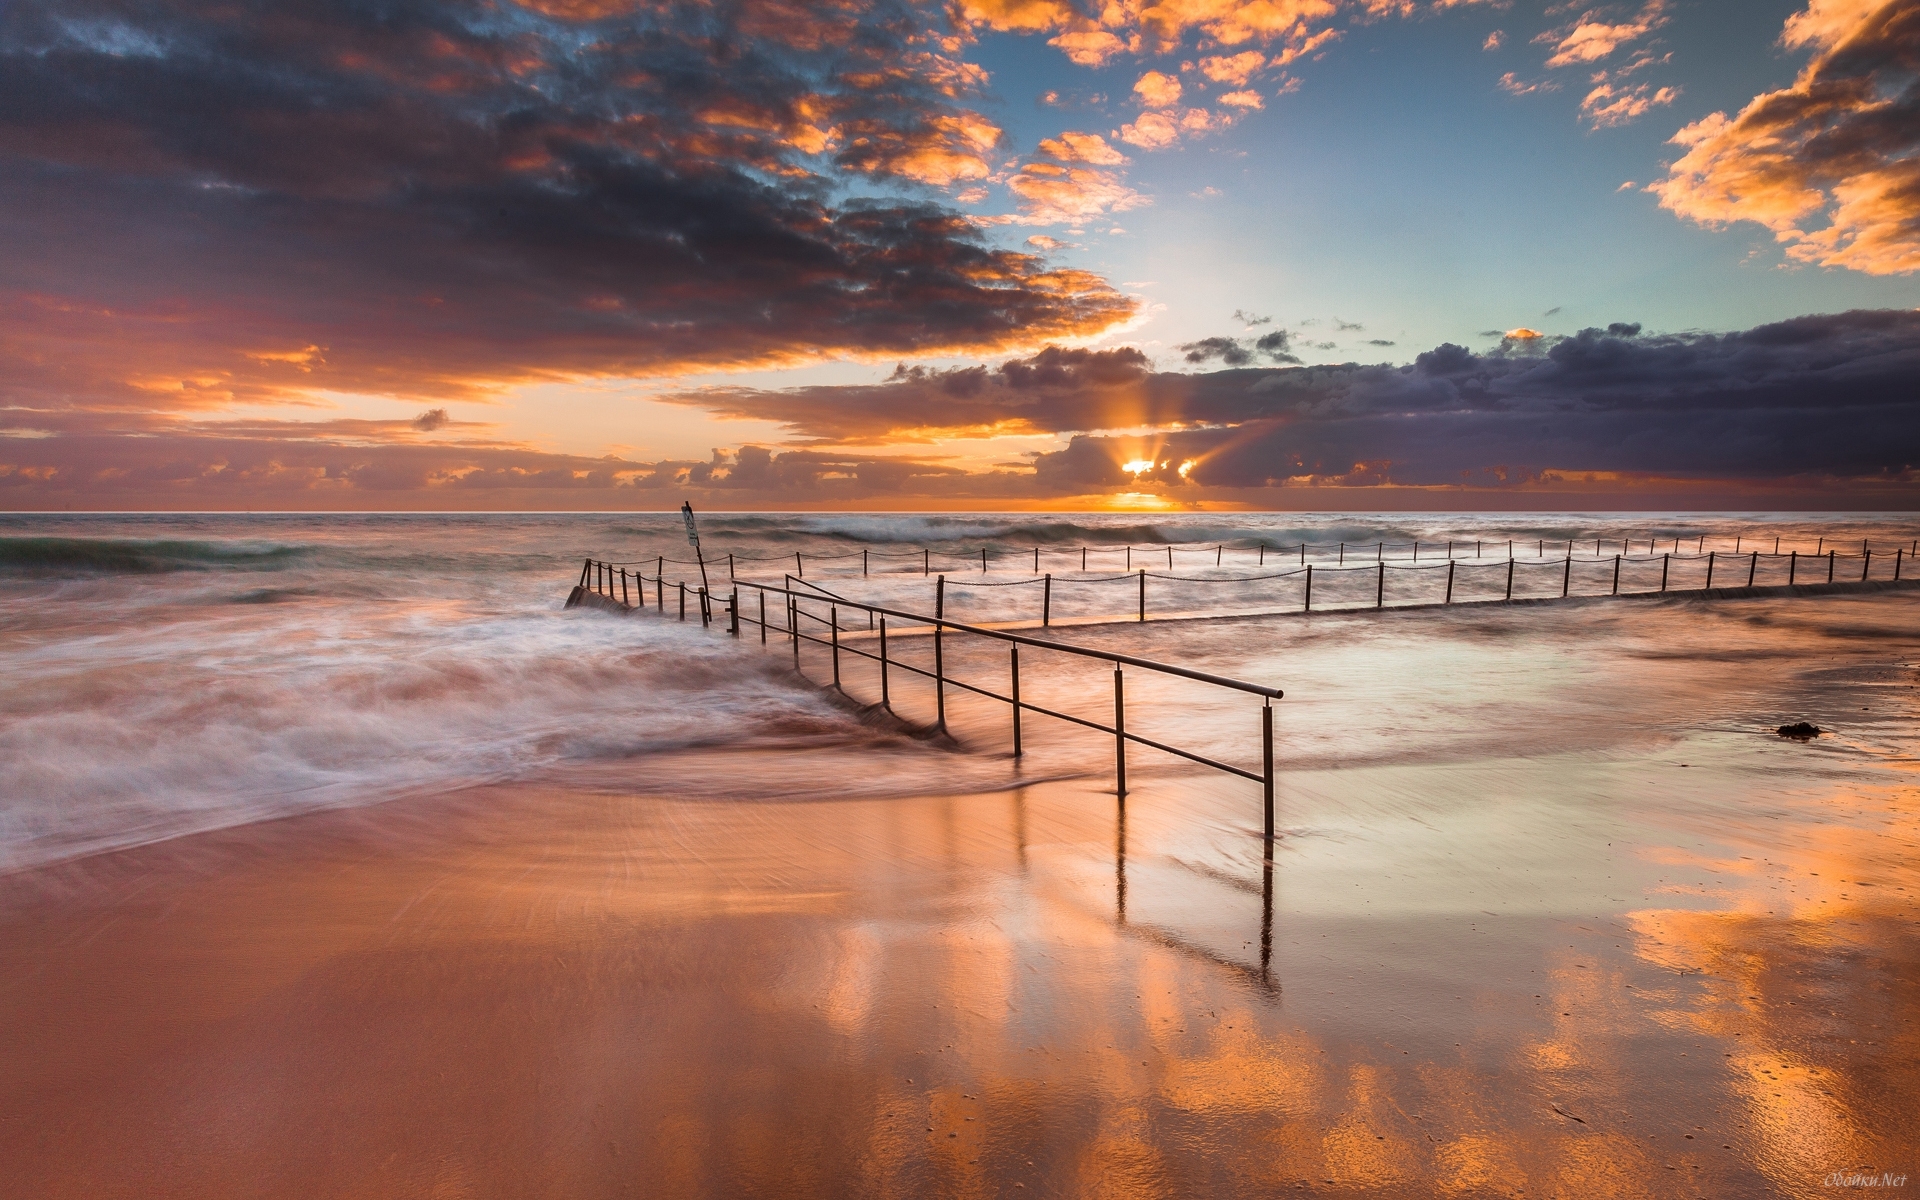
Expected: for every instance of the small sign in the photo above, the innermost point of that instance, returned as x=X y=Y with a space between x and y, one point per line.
x=693 y=535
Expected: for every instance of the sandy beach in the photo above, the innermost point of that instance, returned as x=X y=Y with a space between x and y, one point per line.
x=523 y=992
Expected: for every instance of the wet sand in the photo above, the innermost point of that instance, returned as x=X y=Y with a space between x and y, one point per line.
x=1582 y=975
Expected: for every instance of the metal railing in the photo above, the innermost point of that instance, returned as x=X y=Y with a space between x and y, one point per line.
x=614 y=584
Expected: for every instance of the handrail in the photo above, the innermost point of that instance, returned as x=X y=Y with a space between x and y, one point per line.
x=609 y=581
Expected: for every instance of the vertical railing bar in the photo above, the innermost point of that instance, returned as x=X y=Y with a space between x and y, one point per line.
x=833 y=615
x=886 y=700
x=1266 y=769
x=1014 y=668
x=1119 y=734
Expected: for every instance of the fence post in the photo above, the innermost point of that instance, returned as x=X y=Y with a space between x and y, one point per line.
x=1308 y=607
x=1119 y=733
x=1793 y=566
x=799 y=570
x=1753 y=565
x=585 y=567
x=763 y=616
x=730 y=572
x=983 y=560
x=926 y=562
x=624 y=598
x=1616 y=574
x=1566 y=577
x=1343 y=554
x=1380 y=552
x=660 y=582
x=833 y=616
x=1218 y=550
x=886 y=700
x=1896 y=562
x=1665 y=561
x=1266 y=769
x=1169 y=558
x=1014 y=650
x=1143 y=593
x=1509 y=577
x=1416 y=549
x=1083 y=559
x=1046 y=601
x=939 y=652
x=1129 y=556
x=1036 y=560
x=1449 y=581
x=1829 y=566
x=1380 y=589
x=683 y=600
x=1303 y=554
x=1710 y=555
x=1866 y=564
x=939 y=680
x=863 y=563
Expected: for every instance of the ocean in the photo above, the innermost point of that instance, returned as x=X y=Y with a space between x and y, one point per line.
x=169 y=674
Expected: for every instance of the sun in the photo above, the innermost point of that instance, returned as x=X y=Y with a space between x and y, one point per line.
x=1137 y=465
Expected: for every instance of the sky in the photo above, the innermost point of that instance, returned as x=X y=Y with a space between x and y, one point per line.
x=994 y=254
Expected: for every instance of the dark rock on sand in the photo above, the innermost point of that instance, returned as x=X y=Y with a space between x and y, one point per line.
x=1800 y=730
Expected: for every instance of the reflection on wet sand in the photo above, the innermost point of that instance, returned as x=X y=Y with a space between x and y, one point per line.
x=528 y=993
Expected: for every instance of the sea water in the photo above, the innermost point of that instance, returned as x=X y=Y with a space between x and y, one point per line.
x=167 y=674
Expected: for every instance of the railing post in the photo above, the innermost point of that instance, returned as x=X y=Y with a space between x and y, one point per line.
x=706 y=607
x=1129 y=556
x=1753 y=565
x=1509 y=573
x=1666 y=560
x=1036 y=560
x=1710 y=555
x=1014 y=651
x=983 y=560
x=939 y=680
x=793 y=625
x=1896 y=562
x=1143 y=593
x=1829 y=566
x=730 y=571
x=799 y=569
x=1793 y=566
x=1380 y=588
x=940 y=597
x=1866 y=564
x=1046 y=601
x=623 y=585
x=1218 y=550
x=1449 y=599
x=683 y=600
x=763 y=616
x=1308 y=606
x=926 y=562
x=1566 y=576
x=1266 y=769
x=1303 y=554
x=863 y=563
x=1616 y=574
x=1119 y=734
x=585 y=567
x=660 y=582
x=833 y=615
x=886 y=700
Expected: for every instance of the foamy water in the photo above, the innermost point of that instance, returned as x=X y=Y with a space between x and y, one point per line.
x=169 y=674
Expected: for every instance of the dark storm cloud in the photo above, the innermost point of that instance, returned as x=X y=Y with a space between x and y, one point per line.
x=1817 y=396
x=206 y=200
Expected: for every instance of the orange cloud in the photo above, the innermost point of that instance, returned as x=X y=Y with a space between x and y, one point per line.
x=1082 y=147
x=1590 y=40
x=1235 y=69
x=1829 y=164
x=1605 y=105
x=1051 y=194
x=1157 y=89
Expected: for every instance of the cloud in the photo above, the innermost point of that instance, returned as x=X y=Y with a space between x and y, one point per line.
x=430 y=420
x=1818 y=407
x=1515 y=86
x=1052 y=194
x=1157 y=89
x=1082 y=147
x=438 y=201
x=1235 y=69
x=1606 y=105
x=1249 y=320
x=1590 y=39
x=1247 y=99
x=1227 y=350
x=1830 y=165
x=1495 y=40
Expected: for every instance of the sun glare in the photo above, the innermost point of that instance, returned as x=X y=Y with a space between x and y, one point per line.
x=1137 y=465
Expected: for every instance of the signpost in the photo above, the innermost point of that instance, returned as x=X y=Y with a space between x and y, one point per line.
x=693 y=537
